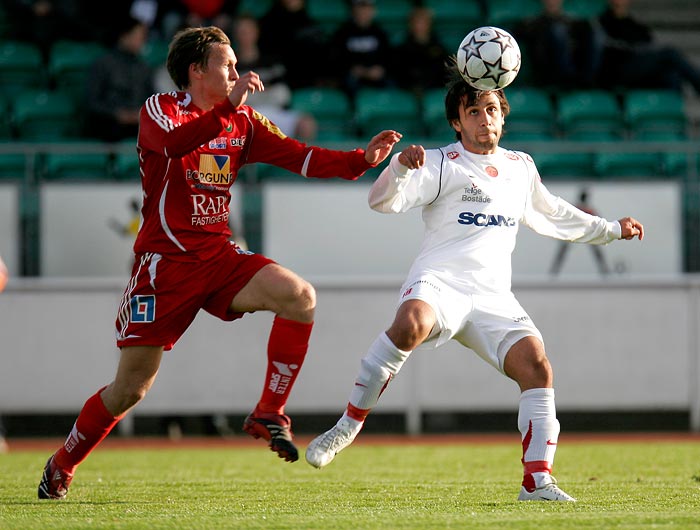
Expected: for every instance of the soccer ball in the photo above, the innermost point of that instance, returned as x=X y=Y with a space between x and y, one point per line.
x=488 y=58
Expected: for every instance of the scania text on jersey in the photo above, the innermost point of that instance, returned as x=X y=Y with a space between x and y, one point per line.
x=482 y=219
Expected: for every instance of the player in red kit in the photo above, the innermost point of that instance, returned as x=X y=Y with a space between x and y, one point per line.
x=191 y=144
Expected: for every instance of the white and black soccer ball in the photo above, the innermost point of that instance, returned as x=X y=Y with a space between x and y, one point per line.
x=489 y=58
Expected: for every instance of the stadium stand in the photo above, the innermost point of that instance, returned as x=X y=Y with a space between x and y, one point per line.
x=655 y=111
x=589 y=114
x=69 y=64
x=387 y=108
x=532 y=112
x=507 y=13
x=454 y=22
x=21 y=67
x=46 y=115
x=77 y=166
x=329 y=106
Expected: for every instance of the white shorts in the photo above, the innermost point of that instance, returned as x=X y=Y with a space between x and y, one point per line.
x=487 y=324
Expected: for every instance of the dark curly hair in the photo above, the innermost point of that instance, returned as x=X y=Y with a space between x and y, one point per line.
x=461 y=93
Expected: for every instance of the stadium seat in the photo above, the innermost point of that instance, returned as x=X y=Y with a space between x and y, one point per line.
x=556 y=165
x=622 y=164
x=69 y=64
x=531 y=112
x=45 y=115
x=126 y=162
x=388 y=108
x=652 y=111
x=256 y=8
x=673 y=163
x=12 y=166
x=584 y=8
x=584 y=113
x=330 y=107
x=21 y=67
x=453 y=20
x=514 y=140
x=434 y=120
x=507 y=14
x=77 y=166
x=392 y=15
x=328 y=13
x=6 y=130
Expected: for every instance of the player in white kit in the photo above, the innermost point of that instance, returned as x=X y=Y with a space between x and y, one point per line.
x=474 y=195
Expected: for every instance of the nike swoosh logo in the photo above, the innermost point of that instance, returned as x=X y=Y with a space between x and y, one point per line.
x=360 y=384
x=550 y=442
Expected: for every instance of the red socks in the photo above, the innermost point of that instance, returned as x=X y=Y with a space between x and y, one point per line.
x=286 y=349
x=94 y=423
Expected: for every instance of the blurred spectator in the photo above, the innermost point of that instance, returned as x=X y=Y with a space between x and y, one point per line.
x=172 y=16
x=119 y=83
x=631 y=58
x=288 y=31
x=274 y=101
x=419 y=62
x=564 y=51
x=360 y=50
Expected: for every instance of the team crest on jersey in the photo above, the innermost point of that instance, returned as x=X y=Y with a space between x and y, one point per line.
x=214 y=170
x=491 y=171
x=452 y=155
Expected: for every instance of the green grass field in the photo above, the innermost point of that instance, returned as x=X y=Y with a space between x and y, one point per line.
x=622 y=485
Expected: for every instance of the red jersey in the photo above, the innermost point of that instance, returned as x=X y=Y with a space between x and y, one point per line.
x=189 y=159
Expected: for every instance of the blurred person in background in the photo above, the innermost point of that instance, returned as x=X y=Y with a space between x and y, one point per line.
x=633 y=59
x=564 y=50
x=419 y=60
x=172 y=16
x=473 y=195
x=274 y=101
x=360 y=50
x=191 y=145
x=288 y=31
x=118 y=84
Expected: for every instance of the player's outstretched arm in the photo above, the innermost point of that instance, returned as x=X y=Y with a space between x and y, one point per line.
x=380 y=146
x=631 y=228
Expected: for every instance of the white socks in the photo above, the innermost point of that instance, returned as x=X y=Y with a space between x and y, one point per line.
x=538 y=426
x=382 y=362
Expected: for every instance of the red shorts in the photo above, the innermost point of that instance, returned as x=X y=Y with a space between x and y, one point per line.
x=164 y=295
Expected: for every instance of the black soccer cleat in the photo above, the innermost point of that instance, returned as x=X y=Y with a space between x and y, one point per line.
x=276 y=429
x=54 y=481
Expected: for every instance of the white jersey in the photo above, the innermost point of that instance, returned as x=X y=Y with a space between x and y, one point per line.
x=472 y=208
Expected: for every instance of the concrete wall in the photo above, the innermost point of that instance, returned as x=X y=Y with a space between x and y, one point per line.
x=614 y=344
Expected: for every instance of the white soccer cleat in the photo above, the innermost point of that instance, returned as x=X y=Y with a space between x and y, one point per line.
x=546 y=492
x=322 y=449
